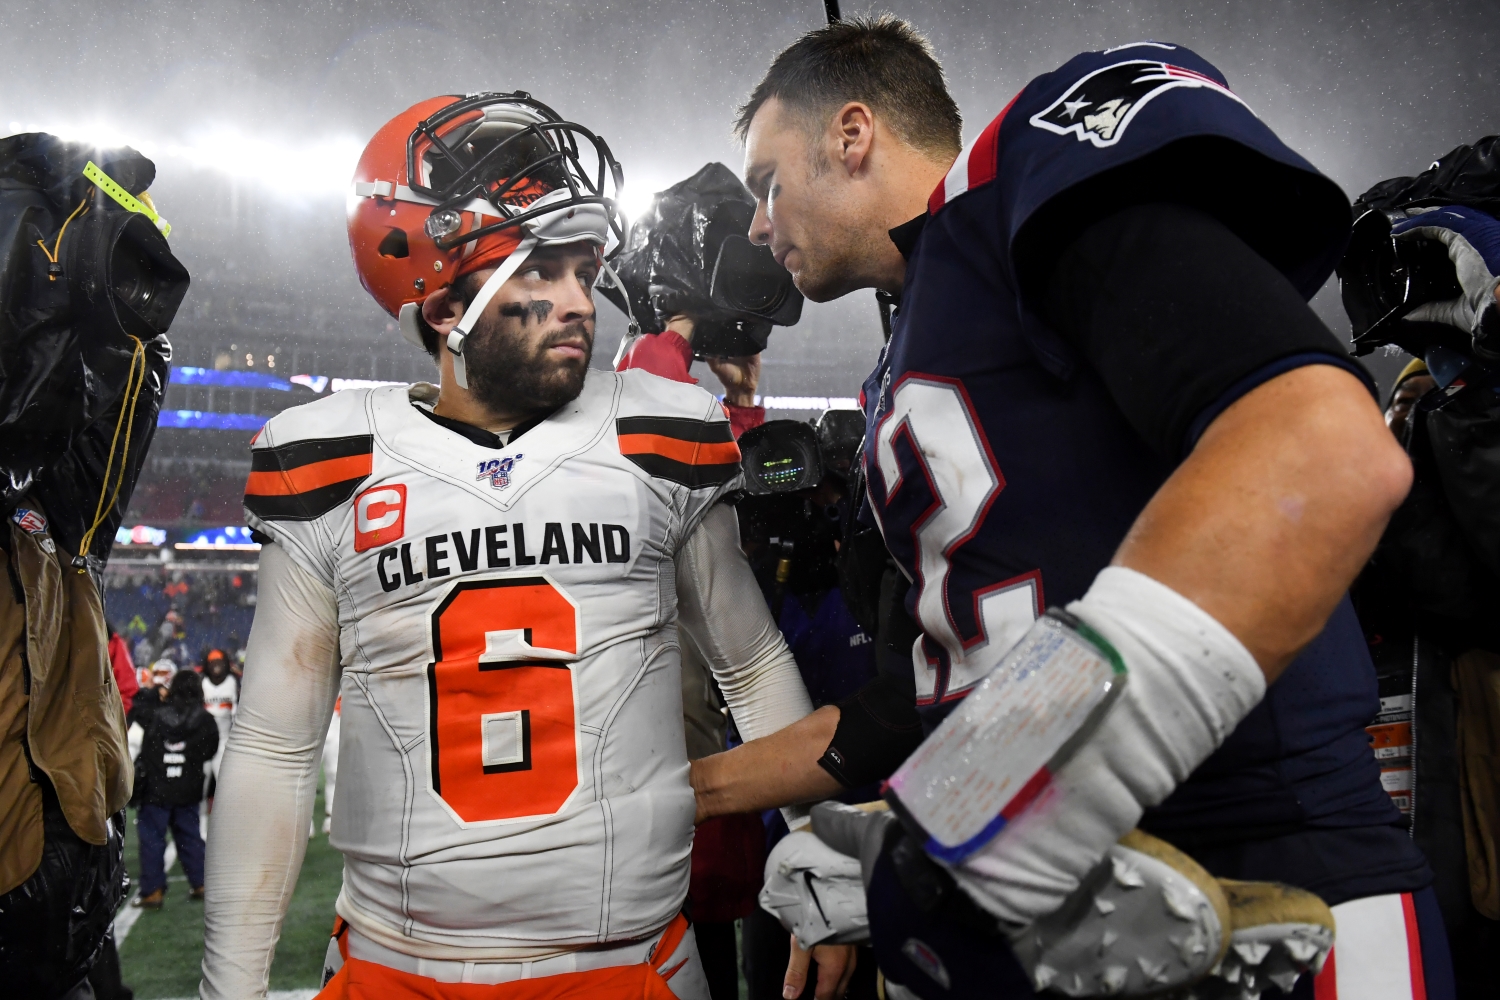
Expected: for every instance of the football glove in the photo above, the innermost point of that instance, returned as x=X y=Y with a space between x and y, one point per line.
x=1473 y=241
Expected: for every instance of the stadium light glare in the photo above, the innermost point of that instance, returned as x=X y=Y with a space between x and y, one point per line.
x=319 y=168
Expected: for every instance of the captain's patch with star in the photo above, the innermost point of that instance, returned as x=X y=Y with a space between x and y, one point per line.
x=1100 y=106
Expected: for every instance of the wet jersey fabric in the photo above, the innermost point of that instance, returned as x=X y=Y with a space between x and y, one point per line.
x=1002 y=473
x=512 y=770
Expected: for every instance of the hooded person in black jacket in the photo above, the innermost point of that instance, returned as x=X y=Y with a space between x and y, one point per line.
x=181 y=738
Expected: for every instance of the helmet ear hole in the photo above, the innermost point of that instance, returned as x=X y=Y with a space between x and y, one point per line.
x=394 y=244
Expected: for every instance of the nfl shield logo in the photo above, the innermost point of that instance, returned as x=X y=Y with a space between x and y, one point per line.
x=497 y=470
x=30 y=521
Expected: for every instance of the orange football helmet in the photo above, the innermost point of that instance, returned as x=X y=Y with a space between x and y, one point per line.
x=454 y=184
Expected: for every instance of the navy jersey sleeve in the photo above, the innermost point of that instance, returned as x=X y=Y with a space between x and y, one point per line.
x=1143 y=123
x=1180 y=318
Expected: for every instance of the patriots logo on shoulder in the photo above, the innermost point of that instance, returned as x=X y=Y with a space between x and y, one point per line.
x=498 y=470
x=1099 y=107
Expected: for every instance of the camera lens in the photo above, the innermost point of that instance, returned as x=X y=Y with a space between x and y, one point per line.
x=131 y=282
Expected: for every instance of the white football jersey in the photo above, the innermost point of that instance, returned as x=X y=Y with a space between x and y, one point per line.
x=221 y=698
x=512 y=771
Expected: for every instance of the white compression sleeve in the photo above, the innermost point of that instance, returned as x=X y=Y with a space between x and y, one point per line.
x=721 y=606
x=268 y=780
x=1190 y=683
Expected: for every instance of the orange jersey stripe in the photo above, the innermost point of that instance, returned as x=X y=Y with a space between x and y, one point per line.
x=312 y=476
x=687 y=452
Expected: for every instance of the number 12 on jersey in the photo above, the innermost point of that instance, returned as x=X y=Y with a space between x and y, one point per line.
x=502 y=721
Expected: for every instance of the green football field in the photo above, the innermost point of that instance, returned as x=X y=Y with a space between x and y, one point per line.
x=162 y=952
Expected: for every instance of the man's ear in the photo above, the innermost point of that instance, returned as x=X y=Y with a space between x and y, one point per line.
x=854 y=134
x=442 y=310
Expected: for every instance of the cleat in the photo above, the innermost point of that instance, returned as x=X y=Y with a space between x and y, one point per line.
x=1111 y=939
x=1285 y=980
x=1181 y=905
x=1126 y=874
x=1252 y=952
x=1301 y=951
x=1276 y=934
x=1154 y=972
x=1193 y=937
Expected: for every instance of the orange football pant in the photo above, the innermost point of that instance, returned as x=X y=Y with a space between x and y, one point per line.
x=360 y=980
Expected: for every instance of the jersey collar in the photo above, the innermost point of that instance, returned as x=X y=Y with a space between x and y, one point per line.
x=414 y=439
x=905 y=235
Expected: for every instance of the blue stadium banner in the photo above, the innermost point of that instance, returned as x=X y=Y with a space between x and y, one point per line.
x=228 y=379
x=198 y=420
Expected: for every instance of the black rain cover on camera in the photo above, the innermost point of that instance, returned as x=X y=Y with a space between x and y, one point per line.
x=1381 y=279
x=668 y=262
x=1466 y=175
x=65 y=356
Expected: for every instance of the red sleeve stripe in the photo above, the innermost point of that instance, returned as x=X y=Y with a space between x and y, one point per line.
x=975 y=166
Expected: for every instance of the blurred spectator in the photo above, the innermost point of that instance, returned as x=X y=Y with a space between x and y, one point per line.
x=1427 y=602
x=151 y=696
x=124 y=668
x=221 y=695
x=1412 y=384
x=181 y=738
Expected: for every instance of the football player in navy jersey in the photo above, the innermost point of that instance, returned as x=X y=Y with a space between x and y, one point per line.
x=1104 y=392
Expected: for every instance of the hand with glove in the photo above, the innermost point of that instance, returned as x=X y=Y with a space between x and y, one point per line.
x=818 y=895
x=1473 y=241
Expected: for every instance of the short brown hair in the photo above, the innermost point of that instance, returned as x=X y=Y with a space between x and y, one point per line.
x=881 y=61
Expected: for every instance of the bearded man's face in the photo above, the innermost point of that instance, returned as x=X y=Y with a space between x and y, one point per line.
x=530 y=350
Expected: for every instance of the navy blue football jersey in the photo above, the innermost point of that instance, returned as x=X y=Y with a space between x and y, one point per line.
x=1004 y=476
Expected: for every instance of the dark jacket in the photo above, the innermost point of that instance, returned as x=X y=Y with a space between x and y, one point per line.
x=180 y=739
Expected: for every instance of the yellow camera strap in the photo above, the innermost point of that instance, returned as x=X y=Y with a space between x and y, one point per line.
x=125 y=199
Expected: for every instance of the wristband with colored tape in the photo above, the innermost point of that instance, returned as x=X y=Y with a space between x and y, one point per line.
x=998 y=750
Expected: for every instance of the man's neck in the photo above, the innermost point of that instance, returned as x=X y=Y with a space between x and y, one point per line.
x=459 y=404
x=908 y=180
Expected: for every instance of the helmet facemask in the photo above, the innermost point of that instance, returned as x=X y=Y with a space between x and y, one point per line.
x=506 y=152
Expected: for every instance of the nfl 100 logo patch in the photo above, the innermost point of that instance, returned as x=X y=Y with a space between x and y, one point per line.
x=498 y=470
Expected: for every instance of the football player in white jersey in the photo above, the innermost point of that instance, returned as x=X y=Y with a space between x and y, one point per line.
x=492 y=575
x=221 y=691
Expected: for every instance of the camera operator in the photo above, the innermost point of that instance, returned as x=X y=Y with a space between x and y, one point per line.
x=791 y=525
x=690 y=297
x=1421 y=273
x=695 y=287
x=88 y=288
x=700 y=289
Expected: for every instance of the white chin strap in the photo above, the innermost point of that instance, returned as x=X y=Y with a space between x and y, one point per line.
x=460 y=333
x=633 y=332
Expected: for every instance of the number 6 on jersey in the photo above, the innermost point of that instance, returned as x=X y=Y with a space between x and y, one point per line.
x=502 y=725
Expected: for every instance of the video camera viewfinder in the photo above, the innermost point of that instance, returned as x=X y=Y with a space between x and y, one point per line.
x=779 y=457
